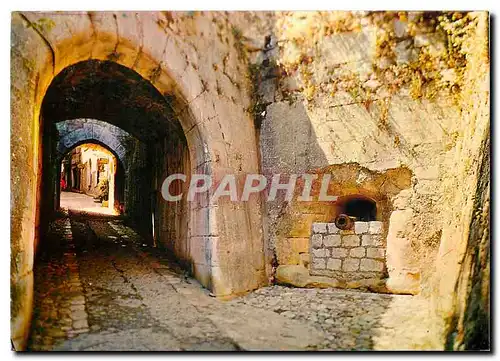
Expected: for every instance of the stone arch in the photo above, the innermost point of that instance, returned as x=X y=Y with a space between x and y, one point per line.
x=225 y=241
x=94 y=36
x=78 y=131
x=121 y=98
x=120 y=176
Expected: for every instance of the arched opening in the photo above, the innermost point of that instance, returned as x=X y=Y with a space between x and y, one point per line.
x=105 y=103
x=362 y=209
x=359 y=207
x=88 y=178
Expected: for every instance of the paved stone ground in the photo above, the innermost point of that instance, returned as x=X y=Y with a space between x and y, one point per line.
x=99 y=286
x=83 y=202
x=351 y=319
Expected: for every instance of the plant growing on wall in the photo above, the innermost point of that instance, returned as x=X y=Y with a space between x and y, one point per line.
x=104 y=190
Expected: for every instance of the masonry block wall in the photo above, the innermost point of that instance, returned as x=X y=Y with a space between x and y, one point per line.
x=348 y=254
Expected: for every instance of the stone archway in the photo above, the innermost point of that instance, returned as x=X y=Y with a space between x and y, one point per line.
x=120 y=176
x=75 y=131
x=224 y=241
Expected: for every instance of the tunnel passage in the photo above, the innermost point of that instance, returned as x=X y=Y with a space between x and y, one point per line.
x=75 y=131
x=51 y=77
x=94 y=171
x=128 y=151
x=108 y=104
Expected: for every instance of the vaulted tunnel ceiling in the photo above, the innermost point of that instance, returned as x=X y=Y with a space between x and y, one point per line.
x=113 y=93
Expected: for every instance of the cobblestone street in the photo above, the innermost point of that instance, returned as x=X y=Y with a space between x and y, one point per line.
x=350 y=319
x=100 y=286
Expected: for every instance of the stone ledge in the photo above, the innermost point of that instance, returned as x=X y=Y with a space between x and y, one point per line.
x=298 y=276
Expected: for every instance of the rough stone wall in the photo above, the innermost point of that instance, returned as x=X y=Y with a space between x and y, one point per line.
x=384 y=90
x=376 y=89
x=460 y=286
x=172 y=219
x=348 y=255
x=137 y=183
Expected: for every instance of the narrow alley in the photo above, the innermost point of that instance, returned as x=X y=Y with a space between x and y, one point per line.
x=101 y=286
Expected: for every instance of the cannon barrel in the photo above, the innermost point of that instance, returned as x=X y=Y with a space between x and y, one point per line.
x=343 y=221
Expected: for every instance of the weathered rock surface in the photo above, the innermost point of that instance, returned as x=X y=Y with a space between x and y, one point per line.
x=294 y=275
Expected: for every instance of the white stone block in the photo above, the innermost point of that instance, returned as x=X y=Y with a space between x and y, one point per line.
x=331 y=240
x=360 y=227
x=334 y=264
x=372 y=240
x=371 y=265
x=318 y=263
x=339 y=252
x=350 y=265
x=375 y=252
x=358 y=252
x=319 y=227
x=316 y=240
x=332 y=228
x=376 y=227
x=350 y=240
x=322 y=252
